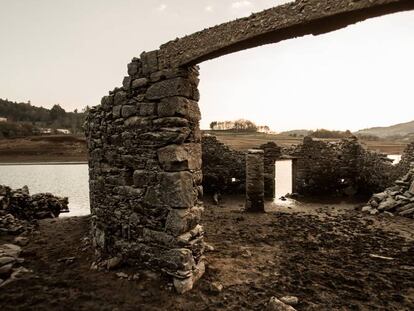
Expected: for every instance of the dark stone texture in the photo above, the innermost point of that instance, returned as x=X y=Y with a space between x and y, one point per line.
x=174 y=190
x=255 y=181
x=169 y=88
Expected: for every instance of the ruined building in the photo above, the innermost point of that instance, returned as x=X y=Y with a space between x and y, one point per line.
x=144 y=141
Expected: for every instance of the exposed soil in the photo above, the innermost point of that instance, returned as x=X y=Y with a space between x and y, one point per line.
x=58 y=148
x=319 y=253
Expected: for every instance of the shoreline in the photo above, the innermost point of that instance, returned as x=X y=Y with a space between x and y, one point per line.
x=44 y=163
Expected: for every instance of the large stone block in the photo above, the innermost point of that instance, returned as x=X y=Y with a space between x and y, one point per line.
x=174 y=190
x=180 y=157
x=170 y=122
x=137 y=122
x=120 y=98
x=142 y=178
x=116 y=111
x=126 y=83
x=182 y=221
x=169 y=88
x=183 y=285
x=171 y=135
x=128 y=110
x=179 y=107
x=133 y=68
x=149 y=62
x=179 y=260
x=146 y=109
x=107 y=102
x=139 y=83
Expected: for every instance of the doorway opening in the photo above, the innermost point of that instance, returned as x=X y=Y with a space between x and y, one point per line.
x=283 y=178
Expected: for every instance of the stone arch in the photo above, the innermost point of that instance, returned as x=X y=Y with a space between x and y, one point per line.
x=144 y=140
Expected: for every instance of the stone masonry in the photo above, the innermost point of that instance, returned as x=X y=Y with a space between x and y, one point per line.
x=145 y=171
x=272 y=152
x=144 y=139
x=224 y=169
x=255 y=181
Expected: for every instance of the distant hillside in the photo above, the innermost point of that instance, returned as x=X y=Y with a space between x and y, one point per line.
x=23 y=119
x=402 y=130
x=296 y=133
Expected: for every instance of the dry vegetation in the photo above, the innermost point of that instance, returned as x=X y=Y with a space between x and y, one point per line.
x=244 y=141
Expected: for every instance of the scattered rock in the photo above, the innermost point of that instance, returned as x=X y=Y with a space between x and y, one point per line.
x=10 y=250
x=6 y=260
x=184 y=285
x=216 y=287
x=113 y=263
x=290 y=300
x=6 y=269
x=209 y=247
x=21 y=241
x=396 y=200
x=277 y=305
x=245 y=253
x=380 y=257
x=122 y=275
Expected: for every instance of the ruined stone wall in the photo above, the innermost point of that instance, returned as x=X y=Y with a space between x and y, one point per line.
x=220 y=165
x=144 y=139
x=344 y=167
x=406 y=159
x=145 y=170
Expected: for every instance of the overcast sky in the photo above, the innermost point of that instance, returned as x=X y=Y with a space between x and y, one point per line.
x=72 y=52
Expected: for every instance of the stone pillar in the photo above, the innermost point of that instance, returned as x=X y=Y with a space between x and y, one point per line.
x=144 y=147
x=272 y=152
x=254 y=181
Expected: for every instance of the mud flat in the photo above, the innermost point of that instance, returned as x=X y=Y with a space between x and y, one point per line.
x=43 y=149
x=330 y=256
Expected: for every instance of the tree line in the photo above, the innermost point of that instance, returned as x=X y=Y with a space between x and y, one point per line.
x=240 y=125
x=23 y=119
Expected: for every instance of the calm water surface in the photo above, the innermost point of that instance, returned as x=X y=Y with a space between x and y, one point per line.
x=69 y=180
x=283 y=178
x=395 y=157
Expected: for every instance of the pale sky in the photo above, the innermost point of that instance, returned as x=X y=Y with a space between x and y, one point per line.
x=72 y=52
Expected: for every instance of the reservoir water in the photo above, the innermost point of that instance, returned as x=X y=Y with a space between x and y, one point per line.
x=68 y=180
x=71 y=180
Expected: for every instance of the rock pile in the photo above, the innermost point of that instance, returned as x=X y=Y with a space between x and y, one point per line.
x=398 y=199
x=18 y=208
x=10 y=264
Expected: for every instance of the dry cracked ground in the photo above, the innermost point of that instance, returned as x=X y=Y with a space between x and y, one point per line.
x=330 y=256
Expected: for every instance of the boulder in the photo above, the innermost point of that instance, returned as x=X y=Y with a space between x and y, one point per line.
x=174 y=190
x=290 y=300
x=388 y=204
x=180 y=157
x=277 y=305
x=169 y=88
